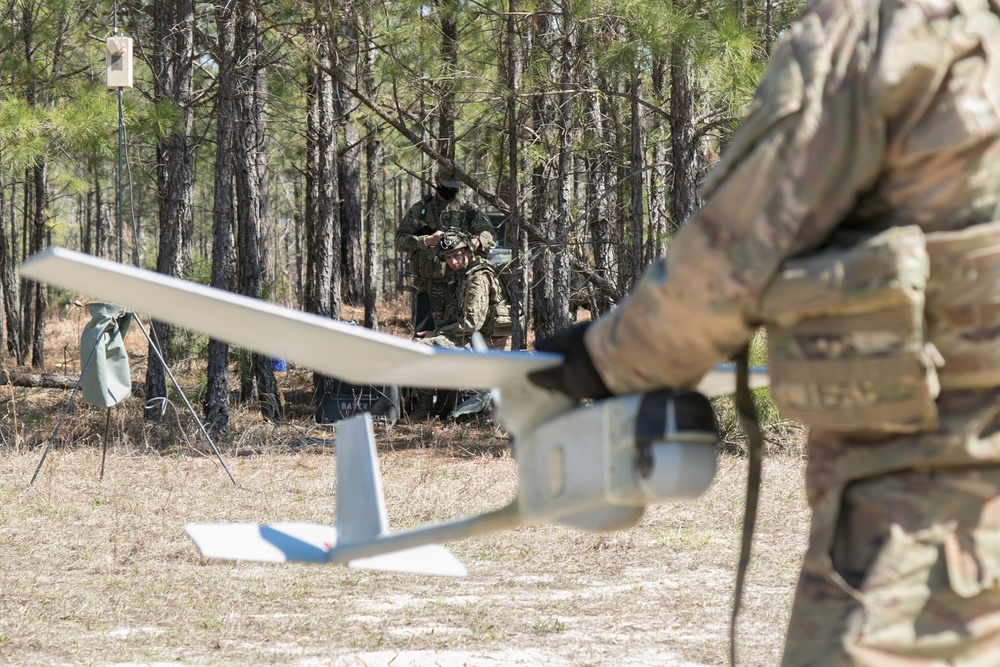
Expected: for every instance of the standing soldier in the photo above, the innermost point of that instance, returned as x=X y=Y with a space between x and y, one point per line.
x=871 y=155
x=419 y=233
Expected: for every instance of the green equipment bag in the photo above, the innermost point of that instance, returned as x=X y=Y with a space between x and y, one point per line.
x=847 y=343
x=106 y=379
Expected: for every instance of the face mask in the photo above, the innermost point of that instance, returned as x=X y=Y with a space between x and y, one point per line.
x=447 y=193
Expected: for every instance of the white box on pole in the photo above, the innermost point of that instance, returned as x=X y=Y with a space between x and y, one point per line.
x=118 y=61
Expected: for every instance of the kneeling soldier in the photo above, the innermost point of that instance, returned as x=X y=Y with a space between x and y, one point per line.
x=476 y=302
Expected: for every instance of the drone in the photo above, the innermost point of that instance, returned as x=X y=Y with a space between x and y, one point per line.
x=589 y=466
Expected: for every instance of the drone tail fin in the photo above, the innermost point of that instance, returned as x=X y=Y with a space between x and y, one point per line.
x=361 y=515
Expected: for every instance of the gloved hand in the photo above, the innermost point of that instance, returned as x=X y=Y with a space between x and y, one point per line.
x=576 y=376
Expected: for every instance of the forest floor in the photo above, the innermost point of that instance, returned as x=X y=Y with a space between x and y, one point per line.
x=99 y=571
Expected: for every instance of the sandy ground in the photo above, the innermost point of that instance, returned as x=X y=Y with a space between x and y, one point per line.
x=100 y=572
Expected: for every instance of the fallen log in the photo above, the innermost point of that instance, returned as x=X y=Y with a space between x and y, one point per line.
x=40 y=380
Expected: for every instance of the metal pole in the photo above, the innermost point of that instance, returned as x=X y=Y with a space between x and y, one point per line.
x=104 y=447
x=121 y=150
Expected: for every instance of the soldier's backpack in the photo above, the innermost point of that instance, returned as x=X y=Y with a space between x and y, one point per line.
x=506 y=269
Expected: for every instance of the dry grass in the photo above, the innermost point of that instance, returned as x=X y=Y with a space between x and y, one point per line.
x=100 y=572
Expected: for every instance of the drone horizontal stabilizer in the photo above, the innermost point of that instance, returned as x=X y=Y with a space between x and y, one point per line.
x=334 y=348
x=273 y=543
x=361 y=538
x=311 y=543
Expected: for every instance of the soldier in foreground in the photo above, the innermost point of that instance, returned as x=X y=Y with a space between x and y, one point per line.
x=418 y=235
x=874 y=135
x=476 y=302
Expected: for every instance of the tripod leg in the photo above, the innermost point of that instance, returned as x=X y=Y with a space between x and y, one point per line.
x=104 y=446
x=48 y=446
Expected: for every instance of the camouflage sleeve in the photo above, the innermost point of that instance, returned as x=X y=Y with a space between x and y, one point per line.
x=813 y=139
x=482 y=229
x=474 y=307
x=407 y=239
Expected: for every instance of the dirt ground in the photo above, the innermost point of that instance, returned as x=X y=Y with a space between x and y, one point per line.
x=101 y=573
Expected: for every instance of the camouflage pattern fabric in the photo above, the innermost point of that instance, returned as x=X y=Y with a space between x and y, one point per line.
x=473 y=300
x=872 y=114
x=907 y=575
x=429 y=273
x=441 y=295
x=476 y=301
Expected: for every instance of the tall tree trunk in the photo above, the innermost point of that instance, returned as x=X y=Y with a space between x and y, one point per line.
x=29 y=288
x=323 y=282
x=316 y=278
x=36 y=176
x=100 y=233
x=265 y=223
x=448 y=10
x=352 y=226
x=542 y=286
x=658 y=218
x=684 y=186
x=173 y=63
x=636 y=166
x=518 y=286
x=349 y=164
x=217 y=389
x=8 y=283
x=39 y=240
x=617 y=184
x=257 y=383
x=371 y=268
x=87 y=224
x=599 y=165
x=562 y=230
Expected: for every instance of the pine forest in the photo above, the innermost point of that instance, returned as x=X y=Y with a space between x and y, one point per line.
x=271 y=148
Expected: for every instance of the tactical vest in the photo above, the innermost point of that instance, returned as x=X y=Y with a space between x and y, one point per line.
x=498 y=319
x=863 y=339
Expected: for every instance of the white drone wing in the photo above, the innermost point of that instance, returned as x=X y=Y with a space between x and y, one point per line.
x=338 y=349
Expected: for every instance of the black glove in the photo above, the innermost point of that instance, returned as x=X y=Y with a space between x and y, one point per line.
x=576 y=376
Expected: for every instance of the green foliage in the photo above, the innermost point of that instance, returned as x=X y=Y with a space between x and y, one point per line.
x=163 y=119
x=729 y=63
x=23 y=134
x=771 y=421
x=87 y=125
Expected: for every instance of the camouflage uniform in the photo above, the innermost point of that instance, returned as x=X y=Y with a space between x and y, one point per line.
x=427 y=216
x=873 y=114
x=478 y=302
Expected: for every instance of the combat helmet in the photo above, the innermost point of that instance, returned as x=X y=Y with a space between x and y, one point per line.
x=453 y=240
